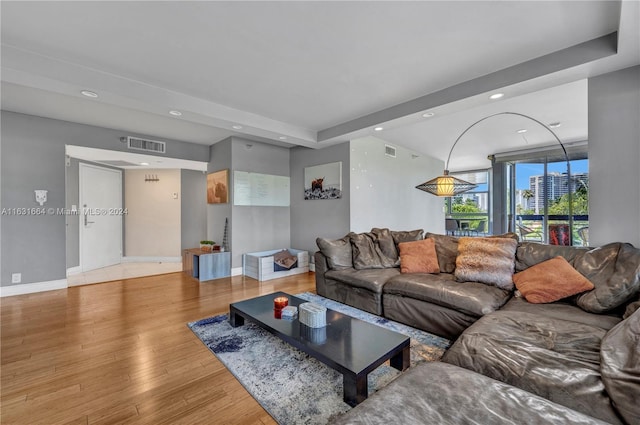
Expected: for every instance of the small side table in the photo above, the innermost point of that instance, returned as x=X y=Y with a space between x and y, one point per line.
x=204 y=265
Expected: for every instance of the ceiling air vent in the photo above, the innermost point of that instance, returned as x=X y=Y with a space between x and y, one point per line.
x=146 y=145
x=390 y=151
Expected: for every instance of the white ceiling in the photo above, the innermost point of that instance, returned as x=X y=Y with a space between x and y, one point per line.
x=316 y=73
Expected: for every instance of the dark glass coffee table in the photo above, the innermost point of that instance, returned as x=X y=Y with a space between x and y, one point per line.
x=349 y=345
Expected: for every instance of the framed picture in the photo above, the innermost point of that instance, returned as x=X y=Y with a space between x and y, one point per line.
x=323 y=181
x=218 y=187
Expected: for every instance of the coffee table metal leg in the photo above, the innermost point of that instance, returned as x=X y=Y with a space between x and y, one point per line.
x=235 y=319
x=402 y=360
x=355 y=389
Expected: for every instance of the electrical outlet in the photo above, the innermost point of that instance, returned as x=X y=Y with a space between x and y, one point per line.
x=16 y=277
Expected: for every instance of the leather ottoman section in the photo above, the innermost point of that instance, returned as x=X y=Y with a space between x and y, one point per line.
x=442 y=321
x=553 y=358
x=356 y=297
x=562 y=311
x=472 y=298
x=370 y=279
x=441 y=393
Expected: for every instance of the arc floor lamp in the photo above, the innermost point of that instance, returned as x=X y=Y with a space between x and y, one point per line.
x=447 y=185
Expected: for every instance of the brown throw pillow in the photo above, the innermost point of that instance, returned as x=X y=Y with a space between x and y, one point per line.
x=418 y=257
x=550 y=281
x=486 y=260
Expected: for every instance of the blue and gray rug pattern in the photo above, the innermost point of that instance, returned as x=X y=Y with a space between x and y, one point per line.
x=289 y=384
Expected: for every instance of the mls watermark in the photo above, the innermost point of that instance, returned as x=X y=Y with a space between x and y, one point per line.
x=36 y=211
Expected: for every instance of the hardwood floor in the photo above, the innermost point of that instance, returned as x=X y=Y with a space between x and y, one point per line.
x=120 y=353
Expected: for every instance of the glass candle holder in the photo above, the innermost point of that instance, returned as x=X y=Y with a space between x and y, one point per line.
x=280 y=302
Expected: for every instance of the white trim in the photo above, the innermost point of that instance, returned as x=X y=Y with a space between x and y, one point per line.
x=237 y=271
x=30 y=288
x=151 y=259
x=74 y=270
x=312 y=267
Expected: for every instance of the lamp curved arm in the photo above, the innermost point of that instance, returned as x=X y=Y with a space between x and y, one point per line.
x=507 y=113
x=564 y=150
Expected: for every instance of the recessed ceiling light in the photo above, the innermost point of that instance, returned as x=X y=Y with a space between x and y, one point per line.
x=496 y=96
x=282 y=137
x=89 y=93
x=555 y=125
x=522 y=130
x=175 y=113
x=378 y=129
x=236 y=127
x=144 y=163
x=428 y=114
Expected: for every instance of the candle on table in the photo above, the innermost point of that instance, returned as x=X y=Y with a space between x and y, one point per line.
x=280 y=302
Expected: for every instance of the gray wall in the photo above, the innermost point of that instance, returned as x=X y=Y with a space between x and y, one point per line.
x=318 y=218
x=33 y=157
x=614 y=157
x=32 y=245
x=220 y=159
x=258 y=228
x=193 y=213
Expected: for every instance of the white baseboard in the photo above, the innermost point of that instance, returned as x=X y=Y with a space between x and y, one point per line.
x=30 y=288
x=151 y=259
x=74 y=270
x=236 y=271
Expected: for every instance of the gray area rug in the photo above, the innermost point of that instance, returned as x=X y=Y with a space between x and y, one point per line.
x=293 y=387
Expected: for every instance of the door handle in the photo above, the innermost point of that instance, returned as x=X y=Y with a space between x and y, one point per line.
x=86 y=222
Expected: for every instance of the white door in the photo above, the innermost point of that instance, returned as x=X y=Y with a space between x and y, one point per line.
x=101 y=216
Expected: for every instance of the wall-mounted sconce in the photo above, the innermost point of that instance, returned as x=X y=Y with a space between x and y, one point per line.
x=151 y=178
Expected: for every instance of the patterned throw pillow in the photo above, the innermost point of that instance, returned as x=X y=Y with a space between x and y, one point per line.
x=486 y=260
x=550 y=281
x=418 y=257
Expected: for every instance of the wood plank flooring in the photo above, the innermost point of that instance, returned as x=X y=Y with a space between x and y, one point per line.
x=120 y=353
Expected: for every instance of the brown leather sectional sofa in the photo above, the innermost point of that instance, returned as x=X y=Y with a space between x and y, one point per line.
x=576 y=360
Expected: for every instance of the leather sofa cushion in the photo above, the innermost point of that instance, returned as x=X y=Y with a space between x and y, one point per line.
x=446 y=250
x=620 y=354
x=442 y=289
x=387 y=244
x=530 y=253
x=555 y=359
x=440 y=393
x=367 y=253
x=338 y=252
x=370 y=279
x=561 y=311
x=614 y=269
x=400 y=236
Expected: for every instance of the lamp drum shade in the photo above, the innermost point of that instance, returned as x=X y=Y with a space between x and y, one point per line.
x=446 y=185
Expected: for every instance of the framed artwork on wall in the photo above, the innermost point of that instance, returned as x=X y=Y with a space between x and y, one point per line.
x=218 y=187
x=323 y=181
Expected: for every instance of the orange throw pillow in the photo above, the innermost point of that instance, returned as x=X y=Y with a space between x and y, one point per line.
x=550 y=281
x=418 y=257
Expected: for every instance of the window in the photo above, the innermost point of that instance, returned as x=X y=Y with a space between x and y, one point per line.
x=471 y=209
x=547 y=202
